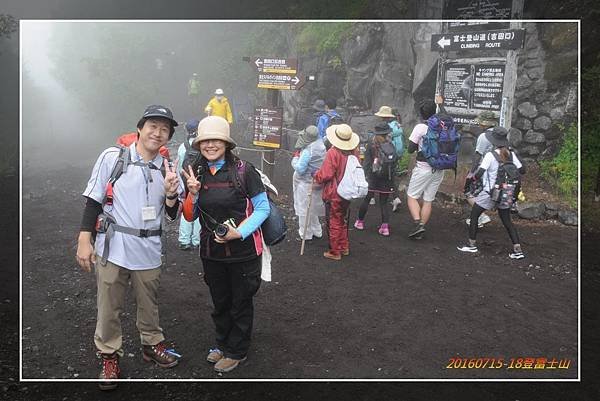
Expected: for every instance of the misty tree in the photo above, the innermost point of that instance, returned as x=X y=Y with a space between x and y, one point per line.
x=8 y=25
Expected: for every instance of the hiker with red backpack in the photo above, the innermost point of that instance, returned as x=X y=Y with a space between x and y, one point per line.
x=344 y=147
x=380 y=168
x=229 y=197
x=129 y=192
x=499 y=173
x=437 y=142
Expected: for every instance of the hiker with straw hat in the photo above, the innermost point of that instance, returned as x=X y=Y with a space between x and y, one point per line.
x=392 y=118
x=221 y=186
x=344 y=143
x=308 y=204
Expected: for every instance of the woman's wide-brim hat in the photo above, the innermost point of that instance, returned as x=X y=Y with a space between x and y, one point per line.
x=342 y=137
x=498 y=136
x=385 y=111
x=213 y=127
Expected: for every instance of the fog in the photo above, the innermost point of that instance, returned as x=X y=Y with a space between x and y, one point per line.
x=84 y=83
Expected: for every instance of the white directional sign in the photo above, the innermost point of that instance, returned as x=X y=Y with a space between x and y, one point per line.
x=278 y=81
x=506 y=39
x=276 y=65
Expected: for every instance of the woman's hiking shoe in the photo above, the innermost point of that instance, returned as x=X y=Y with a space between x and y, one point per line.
x=332 y=256
x=110 y=371
x=384 y=230
x=419 y=229
x=467 y=248
x=214 y=355
x=346 y=252
x=227 y=364
x=359 y=224
x=516 y=255
x=184 y=247
x=159 y=355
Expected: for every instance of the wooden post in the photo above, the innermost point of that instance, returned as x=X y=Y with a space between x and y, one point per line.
x=269 y=157
x=510 y=81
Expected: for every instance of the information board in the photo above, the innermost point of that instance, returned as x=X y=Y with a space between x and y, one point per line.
x=268 y=123
x=488 y=80
x=473 y=9
x=458 y=85
x=278 y=81
x=473 y=86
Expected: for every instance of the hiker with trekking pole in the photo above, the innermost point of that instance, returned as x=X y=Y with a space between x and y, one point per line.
x=308 y=204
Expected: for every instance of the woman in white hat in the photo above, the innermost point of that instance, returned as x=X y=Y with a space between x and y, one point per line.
x=344 y=143
x=305 y=165
x=228 y=196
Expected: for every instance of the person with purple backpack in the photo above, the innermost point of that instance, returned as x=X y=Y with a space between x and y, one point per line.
x=436 y=141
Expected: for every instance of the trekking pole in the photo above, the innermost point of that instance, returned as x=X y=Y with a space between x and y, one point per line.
x=310 y=191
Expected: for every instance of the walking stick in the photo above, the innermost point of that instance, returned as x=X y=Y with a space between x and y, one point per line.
x=307 y=217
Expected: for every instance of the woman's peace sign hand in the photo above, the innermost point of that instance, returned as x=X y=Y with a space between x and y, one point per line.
x=192 y=183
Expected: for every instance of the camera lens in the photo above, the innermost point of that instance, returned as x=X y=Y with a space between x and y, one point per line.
x=221 y=230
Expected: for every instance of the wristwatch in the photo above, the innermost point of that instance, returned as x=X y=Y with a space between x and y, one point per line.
x=173 y=197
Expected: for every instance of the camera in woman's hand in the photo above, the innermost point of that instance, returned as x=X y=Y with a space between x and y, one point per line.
x=222 y=229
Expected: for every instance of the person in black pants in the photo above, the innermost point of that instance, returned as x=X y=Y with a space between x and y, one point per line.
x=228 y=196
x=381 y=183
x=487 y=172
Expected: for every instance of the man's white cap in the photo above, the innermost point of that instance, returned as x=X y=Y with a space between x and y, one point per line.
x=219 y=91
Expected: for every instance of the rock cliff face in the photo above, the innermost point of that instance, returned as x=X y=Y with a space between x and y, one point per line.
x=390 y=63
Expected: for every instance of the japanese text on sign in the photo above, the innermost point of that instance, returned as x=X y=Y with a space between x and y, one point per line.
x=267 y=127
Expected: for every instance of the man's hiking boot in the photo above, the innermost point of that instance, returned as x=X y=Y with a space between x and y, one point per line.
x=332 y=256
x=110 y=371
x=418 y=229
x=227 y=364
x=214 y=355
x=158 y=354
x=467 y=248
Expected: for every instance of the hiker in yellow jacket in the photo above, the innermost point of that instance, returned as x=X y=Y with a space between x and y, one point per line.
x=219 y=106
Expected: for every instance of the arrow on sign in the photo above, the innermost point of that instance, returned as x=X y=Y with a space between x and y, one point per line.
x=443 y=42
x=295 y=80
x=258 y=62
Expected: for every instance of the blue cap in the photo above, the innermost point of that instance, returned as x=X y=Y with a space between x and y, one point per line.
x=192 y=125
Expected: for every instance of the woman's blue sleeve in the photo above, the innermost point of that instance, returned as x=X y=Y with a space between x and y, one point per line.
x=301 y=164
x=260 y=202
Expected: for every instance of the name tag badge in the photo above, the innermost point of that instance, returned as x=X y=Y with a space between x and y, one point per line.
x=148 y=213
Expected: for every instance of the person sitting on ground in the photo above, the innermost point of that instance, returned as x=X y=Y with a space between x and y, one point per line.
x=344 y=143
x=229 y=197
x=189 y=232
x=487 y=172
x=305 y=165
x=486 y=121
x=380 y=176
x=424 y=181
x=219 y=106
